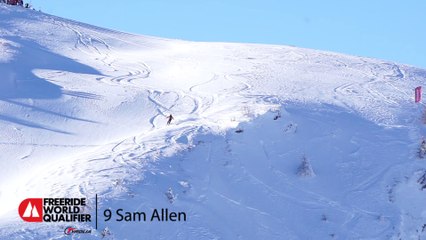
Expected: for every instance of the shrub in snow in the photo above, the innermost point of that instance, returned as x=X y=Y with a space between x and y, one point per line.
x=305 y=168
x=422 y=149
x=391 y=191
x=290 y=128
x=278 y=116
x=247 y=112
x=422 y=181
x=106 y=232
x=170 y=196
x=119 y=185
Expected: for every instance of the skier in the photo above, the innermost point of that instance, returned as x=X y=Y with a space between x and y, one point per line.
x=170 y=118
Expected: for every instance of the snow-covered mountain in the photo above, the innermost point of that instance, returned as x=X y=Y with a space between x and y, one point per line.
x=83 y=112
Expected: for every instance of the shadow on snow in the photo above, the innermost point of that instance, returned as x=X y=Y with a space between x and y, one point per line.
x=17 y=80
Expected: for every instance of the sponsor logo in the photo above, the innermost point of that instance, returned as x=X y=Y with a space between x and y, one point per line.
x=73 y=230
x=69 y=230
x=53 y=210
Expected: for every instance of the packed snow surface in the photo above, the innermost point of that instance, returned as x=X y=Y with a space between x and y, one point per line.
x=268 y=142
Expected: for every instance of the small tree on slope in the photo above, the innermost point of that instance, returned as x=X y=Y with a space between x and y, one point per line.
x=305 y=168
x=422 y=149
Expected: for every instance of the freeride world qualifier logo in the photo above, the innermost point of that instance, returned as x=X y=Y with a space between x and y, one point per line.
x=53 y=210
x=31 y=210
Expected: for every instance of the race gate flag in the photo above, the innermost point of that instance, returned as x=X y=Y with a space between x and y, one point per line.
x=418 y=94
x=31 y=210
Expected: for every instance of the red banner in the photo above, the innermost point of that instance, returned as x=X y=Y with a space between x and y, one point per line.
x=418 y=94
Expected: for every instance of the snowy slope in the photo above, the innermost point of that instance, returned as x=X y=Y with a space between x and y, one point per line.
x=83 y=112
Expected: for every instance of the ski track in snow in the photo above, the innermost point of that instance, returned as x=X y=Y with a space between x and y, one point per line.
x=86 y=43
